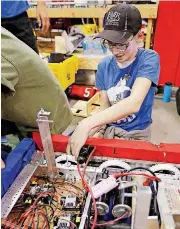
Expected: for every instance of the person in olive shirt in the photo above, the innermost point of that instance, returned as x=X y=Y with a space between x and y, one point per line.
x=28 y=85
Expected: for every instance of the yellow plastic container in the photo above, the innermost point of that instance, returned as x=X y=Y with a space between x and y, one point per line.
x=65 y=71
x=87 y=29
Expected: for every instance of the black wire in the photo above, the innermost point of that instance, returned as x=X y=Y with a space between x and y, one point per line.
x=157 y=187
x=142 y=168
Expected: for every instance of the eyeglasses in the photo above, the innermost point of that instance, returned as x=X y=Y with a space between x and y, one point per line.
x=110 y=45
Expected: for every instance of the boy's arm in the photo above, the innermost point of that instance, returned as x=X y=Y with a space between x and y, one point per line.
x=147 y=75
x=104 y=104
x=118 y=111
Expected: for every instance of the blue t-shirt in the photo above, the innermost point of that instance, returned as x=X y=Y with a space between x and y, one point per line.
x=118 y=82
x=13 y=8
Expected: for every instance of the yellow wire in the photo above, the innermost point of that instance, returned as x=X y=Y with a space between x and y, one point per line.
x=68 y=221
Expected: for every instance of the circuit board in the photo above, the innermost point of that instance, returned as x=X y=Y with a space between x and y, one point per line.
x=66 y=203
x=43 y=204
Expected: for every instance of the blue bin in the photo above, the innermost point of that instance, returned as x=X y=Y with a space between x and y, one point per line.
x=15 y=162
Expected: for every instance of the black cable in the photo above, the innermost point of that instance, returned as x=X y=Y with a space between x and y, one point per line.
x=157 y=187
x=142 y=168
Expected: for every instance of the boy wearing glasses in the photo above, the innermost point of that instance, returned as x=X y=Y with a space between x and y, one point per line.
x=127 y=79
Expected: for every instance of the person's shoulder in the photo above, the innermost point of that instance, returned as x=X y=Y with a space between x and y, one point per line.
x=148 y=54
x=106 y=61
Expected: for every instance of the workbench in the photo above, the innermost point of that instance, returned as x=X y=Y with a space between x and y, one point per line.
x=86 y=61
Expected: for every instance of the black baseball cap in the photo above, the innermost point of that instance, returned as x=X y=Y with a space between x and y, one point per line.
x=120 y=22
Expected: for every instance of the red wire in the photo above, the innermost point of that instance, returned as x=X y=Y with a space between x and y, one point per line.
x=45 y=194
x=25 y=214
x=47 y=223
x=113 y=221
x=137 y=174
x=31 y=219
x=89 y=158
x=32 y=215
x=4 y=220
x=67 y=190
x=88 y=189
x=7 y=223
x=28 y=212
x=82 y=175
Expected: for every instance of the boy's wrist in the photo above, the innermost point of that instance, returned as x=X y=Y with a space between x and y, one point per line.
x=88 y=124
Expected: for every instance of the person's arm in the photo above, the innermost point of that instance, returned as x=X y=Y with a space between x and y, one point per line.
x=118 y=111
x=103 y=105
x=147 y=75
x=100 y=84
x=42 y=15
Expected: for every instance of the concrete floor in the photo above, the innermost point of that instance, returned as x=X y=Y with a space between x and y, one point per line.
x=166 y=123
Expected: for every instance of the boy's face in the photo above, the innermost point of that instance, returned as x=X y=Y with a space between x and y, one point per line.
x=122 y=52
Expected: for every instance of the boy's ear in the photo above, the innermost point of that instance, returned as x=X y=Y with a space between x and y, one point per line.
x=136 y=36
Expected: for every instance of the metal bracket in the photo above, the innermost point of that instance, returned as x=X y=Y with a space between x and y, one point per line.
x=143 y=200
x=43 y=123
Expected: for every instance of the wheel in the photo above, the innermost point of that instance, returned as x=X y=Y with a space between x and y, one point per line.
x=178 y=101
x=165 y=167
x=111 y=163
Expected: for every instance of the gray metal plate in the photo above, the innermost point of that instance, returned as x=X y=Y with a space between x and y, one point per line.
x=14 y=192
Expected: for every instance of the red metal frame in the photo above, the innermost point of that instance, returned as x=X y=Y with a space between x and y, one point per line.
x=166 y=42
x=135 y=150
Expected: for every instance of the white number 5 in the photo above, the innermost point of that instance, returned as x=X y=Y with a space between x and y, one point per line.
x=87 y=92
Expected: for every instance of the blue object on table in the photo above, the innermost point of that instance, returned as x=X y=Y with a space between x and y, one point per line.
x=15 y=162
x=4 y=139
x=167 y=92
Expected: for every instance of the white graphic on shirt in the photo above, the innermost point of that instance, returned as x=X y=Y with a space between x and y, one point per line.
x=116 y=94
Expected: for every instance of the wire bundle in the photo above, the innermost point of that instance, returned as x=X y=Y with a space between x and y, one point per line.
x=44 y=207
x=152 y=177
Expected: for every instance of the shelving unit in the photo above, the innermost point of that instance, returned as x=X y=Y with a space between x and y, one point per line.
x=148 y=11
